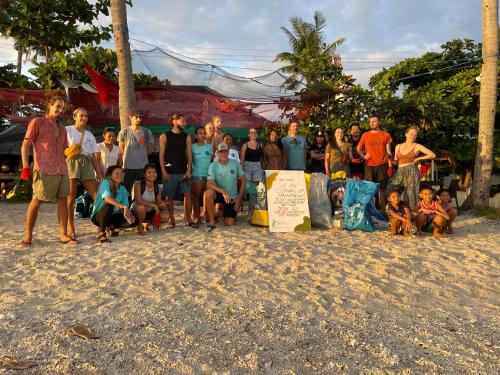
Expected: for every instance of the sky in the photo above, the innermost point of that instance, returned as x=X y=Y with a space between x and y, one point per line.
x=243 y=36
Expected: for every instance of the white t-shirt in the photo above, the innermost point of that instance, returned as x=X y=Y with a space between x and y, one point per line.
x=89 y=144
x=233 y=154
x=109 y=158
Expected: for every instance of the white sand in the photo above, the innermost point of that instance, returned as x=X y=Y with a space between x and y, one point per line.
x=245 y=301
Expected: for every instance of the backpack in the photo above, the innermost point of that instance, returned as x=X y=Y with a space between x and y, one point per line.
x=143 y=187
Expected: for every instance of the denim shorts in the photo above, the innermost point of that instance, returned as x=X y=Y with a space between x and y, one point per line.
x=176 y=185
x=199 y=179
x=253 y=170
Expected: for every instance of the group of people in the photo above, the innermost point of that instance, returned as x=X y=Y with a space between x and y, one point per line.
x=205 y=170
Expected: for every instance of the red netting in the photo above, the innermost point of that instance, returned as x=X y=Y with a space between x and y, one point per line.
x=157 y=104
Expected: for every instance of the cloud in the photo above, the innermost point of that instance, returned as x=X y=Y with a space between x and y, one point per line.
x=246 y=34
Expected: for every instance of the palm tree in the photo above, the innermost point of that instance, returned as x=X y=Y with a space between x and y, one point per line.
x=126 y=97
x=487 y=105
x=310 y=54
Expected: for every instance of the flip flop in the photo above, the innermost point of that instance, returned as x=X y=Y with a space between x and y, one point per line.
x=140 y=233
x=171 y=226
x=192 y=225
x=85 y=332
x=10 y=363
x=72 y=235
x=25 y=244
x=211 y=227
x=102 y=238
x=71 y=241
x=113 y=233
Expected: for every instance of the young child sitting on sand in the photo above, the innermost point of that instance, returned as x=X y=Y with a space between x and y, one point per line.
x=445 y=200
x=398 y=213
x=430 y=214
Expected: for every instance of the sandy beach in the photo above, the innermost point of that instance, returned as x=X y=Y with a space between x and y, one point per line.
x=246 y=301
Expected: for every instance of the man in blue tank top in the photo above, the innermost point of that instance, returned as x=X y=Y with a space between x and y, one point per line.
x=175 y=162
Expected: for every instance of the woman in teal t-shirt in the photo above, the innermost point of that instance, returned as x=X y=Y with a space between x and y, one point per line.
x=111 y=204
x=202 y=157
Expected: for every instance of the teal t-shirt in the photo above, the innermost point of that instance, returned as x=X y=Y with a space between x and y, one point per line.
x=105 y=191
x=202 y=157
x=226 y=176
x=295 y=148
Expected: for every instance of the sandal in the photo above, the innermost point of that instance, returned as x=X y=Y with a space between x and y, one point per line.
x=112 y=232
x=192 y=225
x=140 y=233
x=102 y=237
x=211 y=227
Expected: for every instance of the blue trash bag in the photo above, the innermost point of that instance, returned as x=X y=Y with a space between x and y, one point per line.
x=83 y=206
x=358 y=195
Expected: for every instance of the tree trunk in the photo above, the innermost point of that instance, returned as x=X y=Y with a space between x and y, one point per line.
x=487 y=105
x=19 y=59
x=126 y=98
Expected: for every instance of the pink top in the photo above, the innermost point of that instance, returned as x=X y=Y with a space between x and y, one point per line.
x=447 y=206
x=48 y=147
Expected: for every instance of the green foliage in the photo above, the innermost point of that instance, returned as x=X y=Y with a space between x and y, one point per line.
x=53 y=25
x=311 y=64
x=439 y=94
x=10 y=79
x=142 y=79
x=71 y=66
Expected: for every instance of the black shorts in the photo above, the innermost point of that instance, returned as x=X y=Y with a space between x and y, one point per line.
x=150 y=215
x=377 y=173
x=227 y=208
x=131 y=176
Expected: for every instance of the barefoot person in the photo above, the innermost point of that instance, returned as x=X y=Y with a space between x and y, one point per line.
x=148 y=200
x=218 y=132
x=202 y=157
x=110 y=209
x=272 y=153
x=375 y=148
x=338 y=154
x=407 y=155
x=136 y=143
x=50 y=179
x=111 y=154
x=430 y=213
x=233 y=153
x=222 y=187
x=176 y=162
x=357 y=163
x=84 y=167
x=399 y=214
x=445 y=200
x=294 y=149
x=251 y=156
x=317 y=153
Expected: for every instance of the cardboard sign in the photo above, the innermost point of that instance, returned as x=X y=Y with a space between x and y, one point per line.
x=287 y=201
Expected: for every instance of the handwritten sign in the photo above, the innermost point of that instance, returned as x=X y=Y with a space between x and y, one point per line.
x=287 y=201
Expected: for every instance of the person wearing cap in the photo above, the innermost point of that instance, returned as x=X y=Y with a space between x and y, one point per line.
x=294 y=149
x=222 y=187
x=317 y=153
x=136 y=143
x=176 y=160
